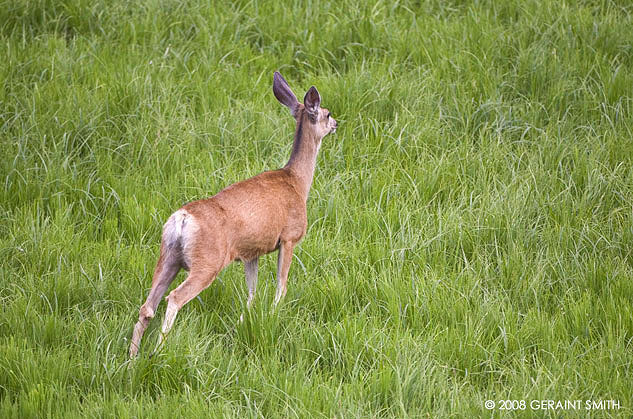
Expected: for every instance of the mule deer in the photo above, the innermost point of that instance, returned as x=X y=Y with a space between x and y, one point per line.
x=242 y=222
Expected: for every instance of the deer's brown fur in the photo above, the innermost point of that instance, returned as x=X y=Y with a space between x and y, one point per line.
x=242 y=222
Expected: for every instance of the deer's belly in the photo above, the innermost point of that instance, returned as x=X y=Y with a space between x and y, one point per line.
x=255 y=248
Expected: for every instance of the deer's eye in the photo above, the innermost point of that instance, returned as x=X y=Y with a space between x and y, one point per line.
x=328 y=115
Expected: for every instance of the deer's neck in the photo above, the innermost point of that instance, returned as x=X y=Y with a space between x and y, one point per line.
x=302 y=160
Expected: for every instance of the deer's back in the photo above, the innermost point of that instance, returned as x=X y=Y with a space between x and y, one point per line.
x=249 y=218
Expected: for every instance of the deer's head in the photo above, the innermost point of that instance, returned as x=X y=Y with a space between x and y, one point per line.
x=318 y=119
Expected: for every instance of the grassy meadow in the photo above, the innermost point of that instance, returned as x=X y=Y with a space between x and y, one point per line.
x=470 y=224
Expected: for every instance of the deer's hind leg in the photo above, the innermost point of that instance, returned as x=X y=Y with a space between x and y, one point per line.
x=167 y=267
x=199 y=278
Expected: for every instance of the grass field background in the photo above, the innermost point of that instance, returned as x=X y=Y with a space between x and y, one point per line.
x=470 y=223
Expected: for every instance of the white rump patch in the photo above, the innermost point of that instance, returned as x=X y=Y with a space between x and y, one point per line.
x=178 y=230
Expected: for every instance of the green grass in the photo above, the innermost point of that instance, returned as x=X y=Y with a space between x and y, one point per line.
x=470 y=223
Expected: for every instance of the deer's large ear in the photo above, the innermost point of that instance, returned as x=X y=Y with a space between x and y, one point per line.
x=283 y=93
x=312 y=101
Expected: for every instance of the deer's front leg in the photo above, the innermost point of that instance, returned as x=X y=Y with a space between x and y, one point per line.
x=250 y=269
x=283 y=266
